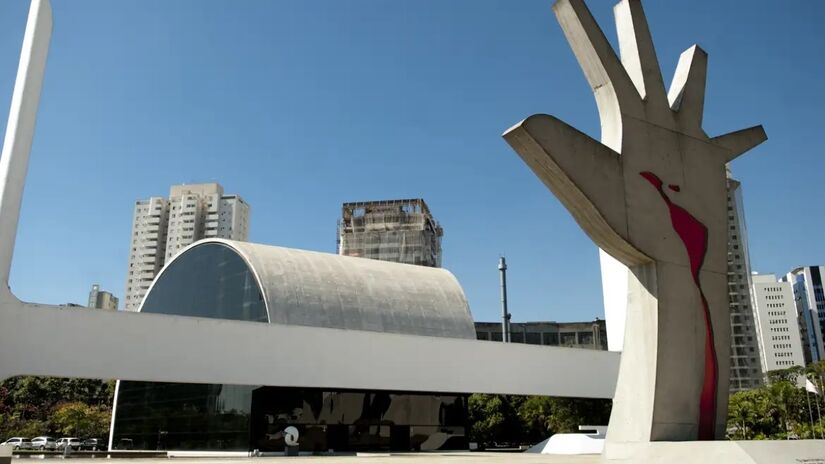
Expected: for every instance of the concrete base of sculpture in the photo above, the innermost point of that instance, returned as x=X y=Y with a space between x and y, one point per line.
x=707 y=452
x=5 y=454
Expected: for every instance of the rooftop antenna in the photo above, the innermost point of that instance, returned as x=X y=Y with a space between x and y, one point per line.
x=505 y=316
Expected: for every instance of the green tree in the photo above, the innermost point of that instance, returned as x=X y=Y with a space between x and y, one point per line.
x=785 y=375
x=492 y=419
x=779 y=410
x=81 y=420
x=569 y=413
x=743 y=410
x=27 y=403
x=535 y=413
x=526 y=420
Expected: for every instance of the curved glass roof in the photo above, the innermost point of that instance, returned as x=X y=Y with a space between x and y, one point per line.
x=245 y=281
x=207 y=281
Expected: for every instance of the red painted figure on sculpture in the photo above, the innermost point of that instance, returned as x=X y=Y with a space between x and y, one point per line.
x=694 y=236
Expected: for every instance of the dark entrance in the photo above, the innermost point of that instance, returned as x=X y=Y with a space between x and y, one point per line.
x=400 y=438
x=337 y=437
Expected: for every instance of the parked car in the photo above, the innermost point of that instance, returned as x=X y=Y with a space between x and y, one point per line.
x=44 y=443
x=72 y=442
x=18 y=443
x=94 y=444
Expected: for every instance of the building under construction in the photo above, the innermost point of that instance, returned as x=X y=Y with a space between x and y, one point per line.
x=402 y=231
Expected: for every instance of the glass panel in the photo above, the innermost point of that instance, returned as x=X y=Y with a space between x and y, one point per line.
x=210 y=280
x=160 y=416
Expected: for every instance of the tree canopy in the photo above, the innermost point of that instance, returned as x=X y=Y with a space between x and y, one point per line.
x=526 y=420
x=32 y=406
x=781 y=409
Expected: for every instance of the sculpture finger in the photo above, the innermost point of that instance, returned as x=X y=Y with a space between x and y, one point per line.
x=583 y=173
x=612 y=87
x=638 y=53
x=737 y=143
x=687 y=90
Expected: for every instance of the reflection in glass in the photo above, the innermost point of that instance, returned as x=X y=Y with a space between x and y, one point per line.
x=168 y=416
x=358 y=420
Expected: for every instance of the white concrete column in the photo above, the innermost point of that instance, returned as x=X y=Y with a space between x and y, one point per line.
x=14 y=161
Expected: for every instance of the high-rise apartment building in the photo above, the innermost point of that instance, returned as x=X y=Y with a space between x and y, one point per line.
x=745 y=364
x=402 y=231
x=162 y=227
x=777 y=326
x=745 y=359
x=810 y=308
x=100 y=299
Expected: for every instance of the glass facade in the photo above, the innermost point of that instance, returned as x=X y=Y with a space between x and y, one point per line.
x=177 y=416
x=212 y=280
x=209 y=280
x=358 y=420
x=168 y=416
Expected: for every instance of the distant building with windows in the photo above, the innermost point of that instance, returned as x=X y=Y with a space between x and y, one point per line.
x=779 y=340
x=162 y=227
x=810 y=308
x=100 y=299
x=399 y=231
x=588 y=335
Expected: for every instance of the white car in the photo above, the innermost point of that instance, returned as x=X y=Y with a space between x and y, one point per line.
x=44 y=443
x=18 y=443
x=71 y=442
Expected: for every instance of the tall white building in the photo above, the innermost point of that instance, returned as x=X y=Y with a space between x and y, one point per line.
x=779 y=341
x=745 y=364
x=162 y=227
x=810 y=308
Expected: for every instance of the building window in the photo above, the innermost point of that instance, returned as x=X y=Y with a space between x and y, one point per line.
x=551 y=338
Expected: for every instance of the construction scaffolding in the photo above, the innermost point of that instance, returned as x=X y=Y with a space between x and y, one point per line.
x=402 y=231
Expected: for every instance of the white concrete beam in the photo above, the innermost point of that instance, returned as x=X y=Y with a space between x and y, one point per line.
x=87 y=343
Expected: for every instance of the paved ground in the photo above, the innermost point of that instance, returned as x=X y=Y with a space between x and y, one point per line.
x=452 y=458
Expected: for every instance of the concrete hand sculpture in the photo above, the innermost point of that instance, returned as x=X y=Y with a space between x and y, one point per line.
x=652 y=193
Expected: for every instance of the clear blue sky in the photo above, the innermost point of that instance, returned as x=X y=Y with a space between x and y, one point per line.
x=299 y=106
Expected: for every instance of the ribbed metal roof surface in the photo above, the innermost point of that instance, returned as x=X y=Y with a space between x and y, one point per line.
x=326 y=290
